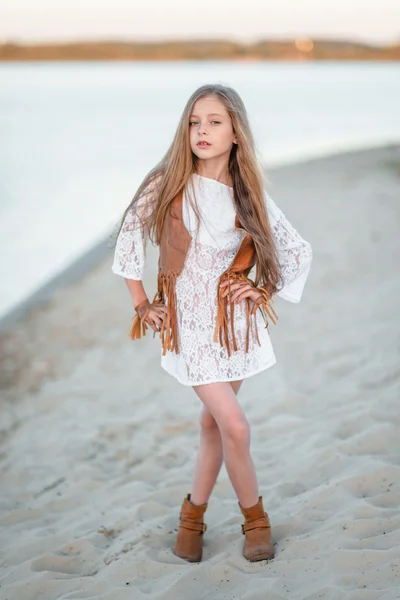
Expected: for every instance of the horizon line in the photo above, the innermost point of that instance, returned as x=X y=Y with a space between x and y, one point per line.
x=14 y=40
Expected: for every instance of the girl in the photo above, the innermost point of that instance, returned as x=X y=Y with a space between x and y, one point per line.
x=205 y=206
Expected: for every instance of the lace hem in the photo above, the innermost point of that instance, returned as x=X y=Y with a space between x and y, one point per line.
x=221 y=379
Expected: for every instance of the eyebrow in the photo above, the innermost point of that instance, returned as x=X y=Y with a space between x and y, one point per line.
x=209 y=115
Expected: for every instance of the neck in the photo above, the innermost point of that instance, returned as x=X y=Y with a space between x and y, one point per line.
x=217 y=172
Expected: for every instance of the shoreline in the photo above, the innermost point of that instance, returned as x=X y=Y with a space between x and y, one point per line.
x=284 y=49
x=74 y=272
x=99 y=252
x=333 y=149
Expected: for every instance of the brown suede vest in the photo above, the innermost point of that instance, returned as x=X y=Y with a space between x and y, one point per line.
x=175 y=241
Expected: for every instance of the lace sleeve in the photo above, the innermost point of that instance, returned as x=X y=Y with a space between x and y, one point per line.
x=129 y=252
x=295 y=253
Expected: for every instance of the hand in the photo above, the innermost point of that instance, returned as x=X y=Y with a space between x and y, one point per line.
x=240 y=290
x=156 y=315
x=152 y=313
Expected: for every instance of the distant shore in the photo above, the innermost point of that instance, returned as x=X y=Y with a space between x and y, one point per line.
x=263 y=50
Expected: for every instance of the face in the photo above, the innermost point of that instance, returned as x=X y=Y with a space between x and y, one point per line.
x=210 y=123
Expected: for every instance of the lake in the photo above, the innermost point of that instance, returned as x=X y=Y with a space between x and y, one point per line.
x=77 y=139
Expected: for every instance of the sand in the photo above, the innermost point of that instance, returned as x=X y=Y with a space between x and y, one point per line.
x=99 y=443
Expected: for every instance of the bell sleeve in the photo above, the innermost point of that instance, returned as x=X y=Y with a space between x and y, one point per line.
x=129 y=250
x=129 y=254
x=294 y=253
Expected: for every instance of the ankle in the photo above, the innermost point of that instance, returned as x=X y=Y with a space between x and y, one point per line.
x=199 y=501
x=250 y=504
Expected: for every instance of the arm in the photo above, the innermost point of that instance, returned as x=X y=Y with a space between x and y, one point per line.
x=136 y=291
x=129 y=257
x=129 y=263
x=295 y=253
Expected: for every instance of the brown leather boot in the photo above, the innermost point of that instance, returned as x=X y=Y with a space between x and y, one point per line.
x=189 y=540
x=257 y=529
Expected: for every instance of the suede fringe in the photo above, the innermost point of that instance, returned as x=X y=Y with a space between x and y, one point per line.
x=139 y=327
x=223 y=328
x=169 y=327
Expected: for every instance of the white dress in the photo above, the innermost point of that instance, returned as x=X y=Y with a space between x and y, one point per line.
x=212 y=249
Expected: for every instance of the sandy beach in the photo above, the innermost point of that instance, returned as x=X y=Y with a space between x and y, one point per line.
x=99 y=443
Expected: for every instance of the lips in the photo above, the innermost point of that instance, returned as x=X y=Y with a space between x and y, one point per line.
x=203 y=144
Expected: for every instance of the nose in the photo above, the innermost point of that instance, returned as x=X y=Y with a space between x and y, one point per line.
x=202 y=128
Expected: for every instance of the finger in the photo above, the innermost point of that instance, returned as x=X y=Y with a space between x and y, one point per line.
x=231 y=282
x=161 y=307
x=157 y=320
x=224 y=283
x=233 y=296
x=156 y=327
x=244 y=289
x=242 y=296
x=237 y=285
x=153 y=319
x=234 y=286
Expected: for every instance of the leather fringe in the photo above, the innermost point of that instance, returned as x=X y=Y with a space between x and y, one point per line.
x=225 y=331
x=139 y=327
x=169 y=328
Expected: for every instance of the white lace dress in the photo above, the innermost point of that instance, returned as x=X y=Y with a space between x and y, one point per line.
x=212 y=249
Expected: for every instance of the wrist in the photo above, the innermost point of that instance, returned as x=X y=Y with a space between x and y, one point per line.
x=263 y=296
x=259 y=298
x=142 y=307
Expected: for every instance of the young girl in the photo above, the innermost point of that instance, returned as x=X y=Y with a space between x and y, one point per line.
x=205 y=206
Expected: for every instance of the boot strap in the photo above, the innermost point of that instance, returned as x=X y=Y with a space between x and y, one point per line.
x=261 y=522
x=193 y=526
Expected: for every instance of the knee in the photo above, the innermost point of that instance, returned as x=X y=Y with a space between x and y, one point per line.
x=237 y=433
x=208 y=424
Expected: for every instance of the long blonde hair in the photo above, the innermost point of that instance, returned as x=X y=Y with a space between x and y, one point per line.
x=172 y=173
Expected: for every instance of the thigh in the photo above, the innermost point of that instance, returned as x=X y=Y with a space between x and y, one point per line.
x=207 y=421
x=220 y=400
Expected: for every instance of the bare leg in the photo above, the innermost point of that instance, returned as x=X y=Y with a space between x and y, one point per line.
x=220 y=400
x=209 y=456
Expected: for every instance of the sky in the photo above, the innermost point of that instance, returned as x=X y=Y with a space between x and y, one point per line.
x=376 y=21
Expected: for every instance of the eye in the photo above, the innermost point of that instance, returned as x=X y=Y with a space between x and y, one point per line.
x=194 y=122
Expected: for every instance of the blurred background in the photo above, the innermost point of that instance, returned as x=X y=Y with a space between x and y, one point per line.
x=97 y=440
x=90 y=95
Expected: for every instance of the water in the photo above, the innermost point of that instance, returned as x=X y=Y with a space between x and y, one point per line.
x=77 y=139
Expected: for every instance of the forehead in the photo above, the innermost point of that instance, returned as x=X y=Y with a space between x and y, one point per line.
x=209 y=106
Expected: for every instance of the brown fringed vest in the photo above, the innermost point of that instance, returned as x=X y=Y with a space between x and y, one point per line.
x=175 y=241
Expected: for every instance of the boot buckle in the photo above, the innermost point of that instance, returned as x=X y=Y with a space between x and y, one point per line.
x=186 y=524
x=262 y=522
